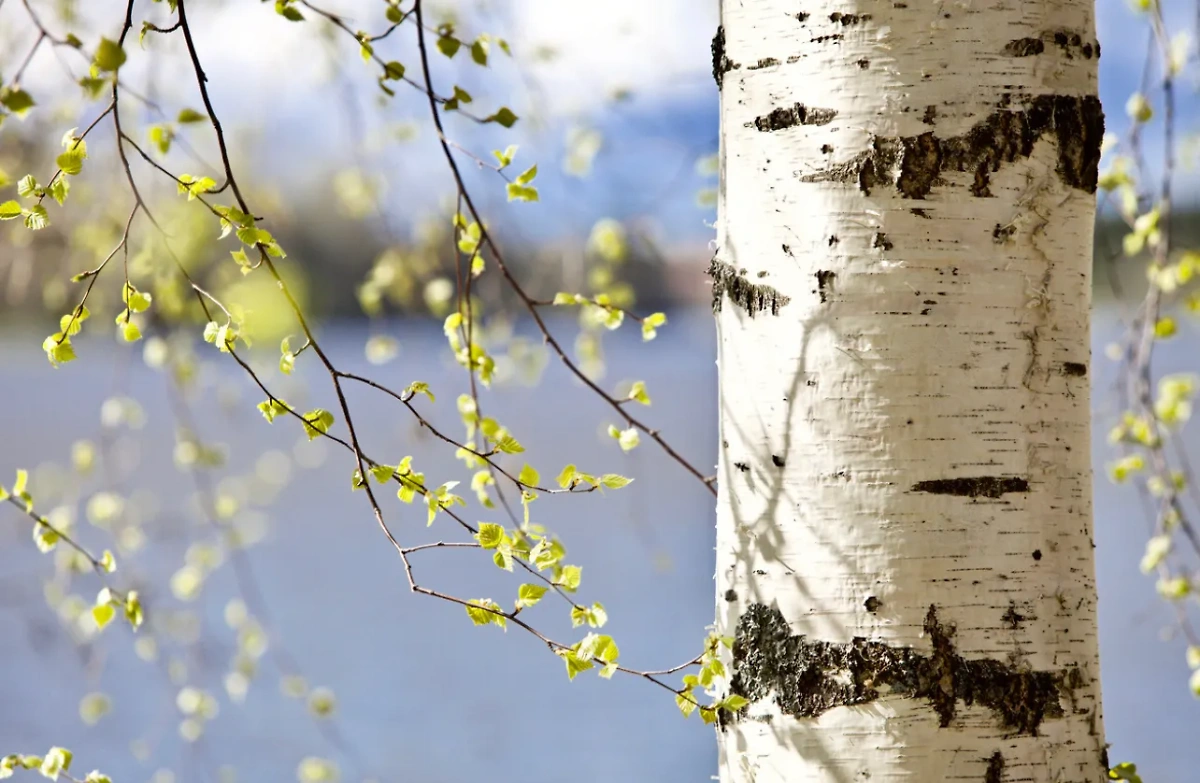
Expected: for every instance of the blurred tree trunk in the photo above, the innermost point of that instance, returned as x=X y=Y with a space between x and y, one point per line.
x=902 y=288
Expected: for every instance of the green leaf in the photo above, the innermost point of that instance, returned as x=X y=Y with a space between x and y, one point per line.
x=36 y=218
x=528 y=476
x=59 y=189
x=103 y=615
x=614 y=481
x=419 y=387
x=685 y=703
x=448 y=45
x=272 y=408
x=528 y=176
x=317 y=422
x=393 y=70
x=479 y=51
x=131 y=332
x=575 y=662
x=528 y=595
x=108 y=562
x=27 y=187
x=650 y=326
x=734 y=702
x=10 y=210
x=505 y=158
x=57 y=760
x=520 y=193
x=135 y=300
x=161 y=137
x=477 y=610
x=187 y=116
x=16 y=100
x=133 y=609
x=58 y=349
x=490 y=535
x=638 y=392
x=569 y=578
x=505 y=117
x=288 y=11
x=71 y=161
x=109 y=55
x=566 y=478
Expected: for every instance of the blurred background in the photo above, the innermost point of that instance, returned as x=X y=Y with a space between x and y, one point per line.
x=303 y=640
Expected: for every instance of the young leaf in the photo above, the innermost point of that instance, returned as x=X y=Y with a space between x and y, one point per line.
x=528 y=595
x=109 y=56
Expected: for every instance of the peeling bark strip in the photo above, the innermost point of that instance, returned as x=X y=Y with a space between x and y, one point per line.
x=721 y=64
x=808 y=677
x=914 y=164
x=754 y=298
x=982 y=486
x=799 y=114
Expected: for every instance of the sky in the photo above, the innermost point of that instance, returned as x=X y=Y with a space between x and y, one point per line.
x=297 y=116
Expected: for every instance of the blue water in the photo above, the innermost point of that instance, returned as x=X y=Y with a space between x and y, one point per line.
x=422 y=694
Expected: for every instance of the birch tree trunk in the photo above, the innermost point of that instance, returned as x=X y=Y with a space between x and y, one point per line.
x=902 y=290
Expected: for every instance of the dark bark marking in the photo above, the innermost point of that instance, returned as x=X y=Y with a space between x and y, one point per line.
x=1012 y=618
x=1001 y=234
x=914 y=164
x=826 y=148
x=825 y=284
x=1037 y=554
x=872 y=604
x=720 y=63
x=802 y=16
x=921 y=213
x=777 y=461
x=742 y=466
x=981 y=486
x=881 y=242
x=930 y=116
x=1025 y=47
x=754 y=298
x=1074 y=369
x=731 y=595
x=849 y=19
x=765 y=62
x=864 y=63
x=995 y=769
x=807 y=677
x=835 y=38
x=784 y=117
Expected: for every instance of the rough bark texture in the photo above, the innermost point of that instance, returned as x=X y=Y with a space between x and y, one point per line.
x=901 y=288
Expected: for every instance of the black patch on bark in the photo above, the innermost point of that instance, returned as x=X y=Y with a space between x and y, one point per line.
x=980 y=486
x=914 y=164
x=995 y=768
x=825 y=284
x=1074 y=369
x=721 y=64
x=799 y=114
x=1012 y=618
x=802 y=16
x=881 y=242
x=826 y=148
x=930 y=116
x=872 y=604
x=921 y=213
x=835 y=38
x=754 y=298
x=1037 y=554
x=1025 y=47
x=742 y=466
x=1001 y=234
x=731 y=595
x=849 y=19
x=777 y=461
x=808 y=677
x=864 y=63
x=765 y=62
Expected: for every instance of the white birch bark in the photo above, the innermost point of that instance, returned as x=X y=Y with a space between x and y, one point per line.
x=902 y=287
